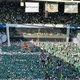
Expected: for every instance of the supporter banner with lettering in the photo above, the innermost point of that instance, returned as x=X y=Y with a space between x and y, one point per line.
x=51 y=7
x=71 y=8
x=31 y=7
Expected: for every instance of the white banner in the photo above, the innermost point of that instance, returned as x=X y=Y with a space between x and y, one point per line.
x=51 y=7
x=71 y=8
x=31 y=7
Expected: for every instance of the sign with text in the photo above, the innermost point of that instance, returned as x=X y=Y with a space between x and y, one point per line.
x=31 y=7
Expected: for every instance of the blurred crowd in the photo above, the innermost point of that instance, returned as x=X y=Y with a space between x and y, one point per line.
x=48 y=61
x=44 y=32
x=12 y=12
x=43 y=60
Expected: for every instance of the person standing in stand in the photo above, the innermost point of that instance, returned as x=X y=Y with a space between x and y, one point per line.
x=3 y=38
x=0 y=38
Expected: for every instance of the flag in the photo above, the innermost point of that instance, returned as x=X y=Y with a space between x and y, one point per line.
x=51 y=7
x=71 y=8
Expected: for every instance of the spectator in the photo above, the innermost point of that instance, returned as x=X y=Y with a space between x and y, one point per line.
x=4 y=37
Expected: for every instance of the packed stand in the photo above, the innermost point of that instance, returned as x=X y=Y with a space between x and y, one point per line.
x=47 y=60
x=12 y=12
x=32 y=33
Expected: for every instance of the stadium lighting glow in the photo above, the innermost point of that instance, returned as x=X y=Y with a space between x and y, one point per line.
x=21 y=3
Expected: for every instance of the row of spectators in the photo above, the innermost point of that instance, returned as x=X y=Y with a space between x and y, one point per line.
x=36 y=32
x=12 y=12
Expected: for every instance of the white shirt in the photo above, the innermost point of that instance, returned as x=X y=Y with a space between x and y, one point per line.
x=4 y=38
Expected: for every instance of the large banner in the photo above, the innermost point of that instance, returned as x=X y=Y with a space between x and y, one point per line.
x=51 y=7
x=31 y=7
x=71 y=8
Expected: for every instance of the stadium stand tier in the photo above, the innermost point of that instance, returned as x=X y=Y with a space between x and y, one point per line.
x=36 y=60
x=61 y=61
x=12 y=12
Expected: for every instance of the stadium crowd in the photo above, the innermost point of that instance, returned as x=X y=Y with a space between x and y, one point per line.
x=38 y=60
x=48 y=61
x=12 y=12
x=35 y=33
